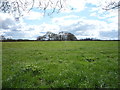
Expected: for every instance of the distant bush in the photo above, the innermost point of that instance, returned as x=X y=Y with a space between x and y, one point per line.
x=90 y=39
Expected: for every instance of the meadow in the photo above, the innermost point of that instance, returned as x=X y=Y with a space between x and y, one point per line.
x=60 y=64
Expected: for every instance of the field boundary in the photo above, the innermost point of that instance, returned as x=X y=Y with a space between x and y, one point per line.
x=50 y=40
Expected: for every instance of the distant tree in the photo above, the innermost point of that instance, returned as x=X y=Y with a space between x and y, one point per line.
x=2 y=37
x=39 y=38
x=9 y=39
x=61 y=36
x=56 y=37
x=71 y=37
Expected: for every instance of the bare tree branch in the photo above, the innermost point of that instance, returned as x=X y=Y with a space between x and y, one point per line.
x=18 y=7
x=112 y=5
x=32 y=5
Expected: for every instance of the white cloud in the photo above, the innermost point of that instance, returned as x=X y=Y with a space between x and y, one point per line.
x=109 y=35
x=10 y=28
x=99 y=12
x=84 y=27
x=49 y=27
x=104 y=14
x=32 y=15
x=78 y=5
x=66 y=20
x=81 y=27
x=95 y=2
x=73 y=6
x=6 y=21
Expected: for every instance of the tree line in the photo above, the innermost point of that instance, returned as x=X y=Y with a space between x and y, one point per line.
x=49 y=36
x=61 y=36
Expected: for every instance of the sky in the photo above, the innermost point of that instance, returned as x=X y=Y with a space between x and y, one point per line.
x=83 y=18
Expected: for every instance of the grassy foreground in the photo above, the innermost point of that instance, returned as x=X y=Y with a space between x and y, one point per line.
x=60 y=64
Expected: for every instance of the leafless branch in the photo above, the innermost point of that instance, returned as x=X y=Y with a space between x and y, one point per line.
x=19 y=6
x=112 y=5
x=32 y=5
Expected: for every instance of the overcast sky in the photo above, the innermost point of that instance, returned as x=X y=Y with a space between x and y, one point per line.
x=85 y=20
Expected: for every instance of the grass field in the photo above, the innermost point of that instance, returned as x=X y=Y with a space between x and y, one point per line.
x=60 y=64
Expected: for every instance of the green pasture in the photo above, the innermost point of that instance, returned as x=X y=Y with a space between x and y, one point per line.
x=60 y=64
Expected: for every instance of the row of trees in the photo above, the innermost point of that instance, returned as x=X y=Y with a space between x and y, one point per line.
x=49 y=36
x=3 y=38
x=61 y=36
x=52 y=37
x=89 y=39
